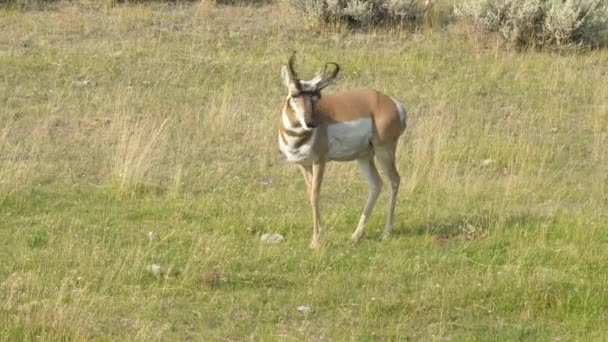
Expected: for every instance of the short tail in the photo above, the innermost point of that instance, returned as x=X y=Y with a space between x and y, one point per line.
x=402 y=113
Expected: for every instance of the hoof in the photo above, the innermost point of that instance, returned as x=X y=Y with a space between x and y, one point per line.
x=386 y=235
x=356 y=238
x=315 y=244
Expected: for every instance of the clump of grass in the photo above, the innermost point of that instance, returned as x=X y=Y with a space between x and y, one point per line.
x=135 y=152
x=16 y=163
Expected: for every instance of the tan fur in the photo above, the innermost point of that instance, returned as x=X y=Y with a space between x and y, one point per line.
x=290 y=114
x=356 y=104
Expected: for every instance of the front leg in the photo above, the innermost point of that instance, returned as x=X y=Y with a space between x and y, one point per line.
x=307 y=173
x=318 y=168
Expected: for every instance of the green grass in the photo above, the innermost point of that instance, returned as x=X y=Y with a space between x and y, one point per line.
x=122 y=121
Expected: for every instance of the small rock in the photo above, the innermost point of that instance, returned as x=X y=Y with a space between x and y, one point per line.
x=150 y=235
x=264 y=180
x=304 y=309
x=487 y=162
x=272 y=238
x=154 y=268
x=82 y=83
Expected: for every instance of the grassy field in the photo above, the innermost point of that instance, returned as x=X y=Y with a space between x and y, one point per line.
x=141 y=135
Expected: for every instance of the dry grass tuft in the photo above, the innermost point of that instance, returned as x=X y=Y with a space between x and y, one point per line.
x=137 y=150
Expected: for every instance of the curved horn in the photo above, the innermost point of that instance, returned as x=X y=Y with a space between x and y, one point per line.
x=292 y=71
x=336 y=69
x=326 y=79
x=290 y=77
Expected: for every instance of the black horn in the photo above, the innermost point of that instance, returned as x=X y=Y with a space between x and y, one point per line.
x=292 y=60
x=328 y=78
x=292 y=72
x=336 y=69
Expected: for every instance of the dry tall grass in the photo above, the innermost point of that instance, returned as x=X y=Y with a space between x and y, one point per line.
x=136 y=151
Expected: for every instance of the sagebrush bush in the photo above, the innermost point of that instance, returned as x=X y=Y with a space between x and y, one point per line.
x=541 y=23
x=362 y=12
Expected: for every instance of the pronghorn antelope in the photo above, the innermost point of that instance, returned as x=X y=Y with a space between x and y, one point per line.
x=348 y=125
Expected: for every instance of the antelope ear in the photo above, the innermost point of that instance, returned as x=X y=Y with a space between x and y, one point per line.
x=289 y=81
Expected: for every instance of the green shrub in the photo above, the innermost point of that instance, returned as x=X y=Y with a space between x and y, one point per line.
x=541 y=23
x=362 y=12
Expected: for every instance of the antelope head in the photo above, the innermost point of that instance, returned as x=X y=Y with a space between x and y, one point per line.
x=303 y=94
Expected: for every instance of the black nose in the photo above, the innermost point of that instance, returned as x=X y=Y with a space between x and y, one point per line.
x=311 y=124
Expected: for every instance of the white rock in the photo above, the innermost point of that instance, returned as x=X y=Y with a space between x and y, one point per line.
x=154 y=268
x=305 y=309
x=272 y=238
x=487 y=162
x=82 y=83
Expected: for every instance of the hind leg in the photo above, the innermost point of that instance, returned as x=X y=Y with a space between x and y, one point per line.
x=386 y=158
x=368 y=168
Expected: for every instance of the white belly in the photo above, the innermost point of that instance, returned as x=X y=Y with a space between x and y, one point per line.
x=349 y=140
